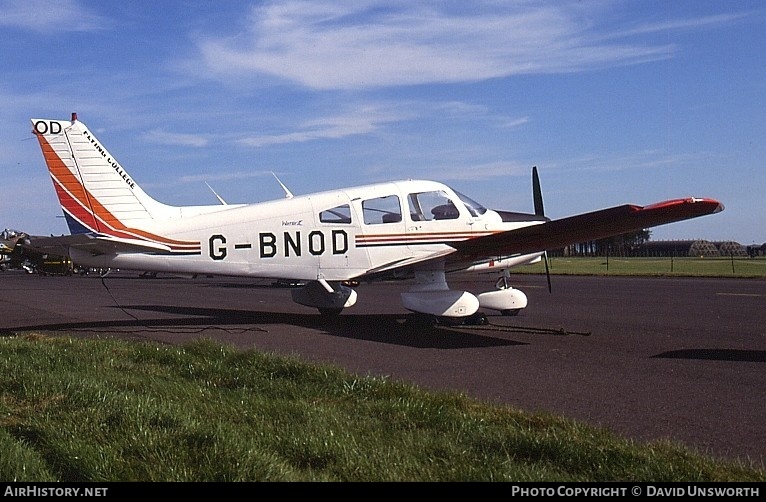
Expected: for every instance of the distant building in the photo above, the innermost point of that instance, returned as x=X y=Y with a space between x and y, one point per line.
x=692 y=248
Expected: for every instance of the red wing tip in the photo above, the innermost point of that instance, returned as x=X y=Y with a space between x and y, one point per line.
x=689 y=200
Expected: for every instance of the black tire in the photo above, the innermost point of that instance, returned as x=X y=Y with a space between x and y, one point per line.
x=420 y=321
x=478 y=319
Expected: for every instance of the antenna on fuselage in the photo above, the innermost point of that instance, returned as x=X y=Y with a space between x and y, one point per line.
x=220 y=199
x=288 y=193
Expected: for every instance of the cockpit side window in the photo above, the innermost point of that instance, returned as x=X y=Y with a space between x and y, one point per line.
x=336 y=215
x=382 y=210
x=428 y=206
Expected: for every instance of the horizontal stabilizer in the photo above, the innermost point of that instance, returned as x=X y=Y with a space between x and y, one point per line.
x=94 y=244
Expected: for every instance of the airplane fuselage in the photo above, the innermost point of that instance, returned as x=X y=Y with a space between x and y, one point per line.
x=335 y=236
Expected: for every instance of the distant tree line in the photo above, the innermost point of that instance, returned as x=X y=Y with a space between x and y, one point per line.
x=619 y=245
x=639 y=244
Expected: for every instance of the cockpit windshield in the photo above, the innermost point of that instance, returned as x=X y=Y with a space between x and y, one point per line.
x=473 y=207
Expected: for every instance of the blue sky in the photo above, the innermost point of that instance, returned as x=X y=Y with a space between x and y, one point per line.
x=615 y=102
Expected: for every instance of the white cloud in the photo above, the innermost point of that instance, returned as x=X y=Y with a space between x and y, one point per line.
x=228 y=176
x=683 y=24
x=481 y=172
x=513 y=123
x=178 y=139
x=353 y=45
x=53 y=16
x=636 y=161
x=360 y=120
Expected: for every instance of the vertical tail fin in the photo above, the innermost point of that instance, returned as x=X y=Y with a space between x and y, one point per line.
x=96 y=194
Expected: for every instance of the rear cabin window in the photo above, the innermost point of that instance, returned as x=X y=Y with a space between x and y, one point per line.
x=382 y=210
x=336 y=215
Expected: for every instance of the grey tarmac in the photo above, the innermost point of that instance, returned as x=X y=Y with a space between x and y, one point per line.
x=648 y=358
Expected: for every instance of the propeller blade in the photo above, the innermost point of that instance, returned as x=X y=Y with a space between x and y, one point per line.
x=537 y=196
x=537 y=193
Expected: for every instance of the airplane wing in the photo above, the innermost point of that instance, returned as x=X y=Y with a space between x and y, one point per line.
x=580 y=228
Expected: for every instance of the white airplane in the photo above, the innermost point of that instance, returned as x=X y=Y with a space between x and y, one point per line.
x=324 y=239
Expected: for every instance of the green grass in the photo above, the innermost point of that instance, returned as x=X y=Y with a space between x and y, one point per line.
x=678 y=267
x=108 y=410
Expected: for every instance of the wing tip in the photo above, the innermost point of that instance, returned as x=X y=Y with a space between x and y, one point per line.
x=710 y=206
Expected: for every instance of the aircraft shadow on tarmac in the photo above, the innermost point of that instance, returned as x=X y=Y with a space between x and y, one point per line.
x=382 y=328
x=752 y=356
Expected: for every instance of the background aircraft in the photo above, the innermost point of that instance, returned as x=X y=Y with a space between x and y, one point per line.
x=16 y=253
x=325 y=239
x=8 y=250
